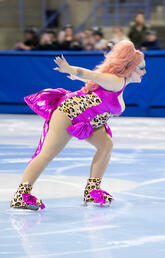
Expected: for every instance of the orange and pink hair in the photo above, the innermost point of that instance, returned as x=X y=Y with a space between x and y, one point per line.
x=121 y=61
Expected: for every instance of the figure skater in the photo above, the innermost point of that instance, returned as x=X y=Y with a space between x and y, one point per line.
x=82 y=114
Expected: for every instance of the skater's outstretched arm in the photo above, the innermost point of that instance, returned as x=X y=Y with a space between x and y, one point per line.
x=106 y=80
x=73 y=77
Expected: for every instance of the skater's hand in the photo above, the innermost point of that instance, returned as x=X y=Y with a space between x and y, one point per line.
x=63 y=65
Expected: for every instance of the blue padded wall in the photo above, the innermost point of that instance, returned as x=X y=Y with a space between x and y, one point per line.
x=24 y=73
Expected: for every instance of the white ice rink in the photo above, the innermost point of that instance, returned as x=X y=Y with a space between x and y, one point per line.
x=132 y=227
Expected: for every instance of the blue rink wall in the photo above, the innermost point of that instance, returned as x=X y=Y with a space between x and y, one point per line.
x=24 y=73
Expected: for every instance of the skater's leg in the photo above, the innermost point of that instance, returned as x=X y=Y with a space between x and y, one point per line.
x=56 y=139
x=103 y=143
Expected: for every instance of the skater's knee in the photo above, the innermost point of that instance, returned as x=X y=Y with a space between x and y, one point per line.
x=109 y=144
x=106 y=145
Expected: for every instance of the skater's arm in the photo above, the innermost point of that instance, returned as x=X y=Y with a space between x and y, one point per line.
x=108 y=81
x=73 y=77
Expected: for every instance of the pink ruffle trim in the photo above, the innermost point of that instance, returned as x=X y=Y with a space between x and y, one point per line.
x=30 y=199
x=81 y=130
x=98 y=196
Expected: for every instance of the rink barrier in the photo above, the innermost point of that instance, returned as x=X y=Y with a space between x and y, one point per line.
x=24 y=73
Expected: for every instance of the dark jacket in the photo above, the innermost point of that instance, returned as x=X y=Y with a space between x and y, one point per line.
x=154 y=45
x=137 y=36
x=53 y=46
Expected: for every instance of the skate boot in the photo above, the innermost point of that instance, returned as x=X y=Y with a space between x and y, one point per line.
x=93 y=193
x=22 y=199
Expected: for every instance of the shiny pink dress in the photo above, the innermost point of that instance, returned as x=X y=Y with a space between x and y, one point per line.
x=46 y=101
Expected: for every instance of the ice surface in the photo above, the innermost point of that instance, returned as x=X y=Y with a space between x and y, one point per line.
x=132 y=227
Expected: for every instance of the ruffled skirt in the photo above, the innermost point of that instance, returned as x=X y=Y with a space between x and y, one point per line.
x=46 y=101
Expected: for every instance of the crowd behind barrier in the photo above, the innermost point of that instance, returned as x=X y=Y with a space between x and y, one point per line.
x=26 y=72
x=90 y=39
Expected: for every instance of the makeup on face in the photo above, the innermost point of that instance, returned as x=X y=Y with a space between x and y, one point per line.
x=142 y=68
x=139 y=71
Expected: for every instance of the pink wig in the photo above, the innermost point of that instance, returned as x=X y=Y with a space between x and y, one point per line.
x=121 y=61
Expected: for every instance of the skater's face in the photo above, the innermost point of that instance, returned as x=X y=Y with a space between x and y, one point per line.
x=138 y=73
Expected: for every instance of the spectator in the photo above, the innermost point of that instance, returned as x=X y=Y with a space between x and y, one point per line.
x=75 y=45
x=151 y=42
x=86 y=38
x=61 y=37
x=69 y=41
x=100 y=43
x=118 y=35
x=88 y=32
x=48 y=41
x=138 y=30
x=52 y=34
x=69 y=32
x=89 y=47
x=69 y=37
x=81 y=38
x=30 y=40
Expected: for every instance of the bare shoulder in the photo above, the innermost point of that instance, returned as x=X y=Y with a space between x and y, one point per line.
x=110 y=81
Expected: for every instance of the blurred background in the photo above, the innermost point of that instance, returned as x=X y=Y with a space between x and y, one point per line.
x=34 y=32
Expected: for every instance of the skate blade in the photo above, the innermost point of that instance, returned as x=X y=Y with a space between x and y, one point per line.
x=96 y=205
x=29 y=207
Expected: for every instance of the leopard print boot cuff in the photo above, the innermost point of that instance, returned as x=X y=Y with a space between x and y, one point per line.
x=93 y=193
x=17 y=200
x=93 y=183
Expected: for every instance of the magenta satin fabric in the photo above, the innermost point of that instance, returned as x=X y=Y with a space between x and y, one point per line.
x=98 y=195
x=46 y=101
x=31 y=199
x=81 y=130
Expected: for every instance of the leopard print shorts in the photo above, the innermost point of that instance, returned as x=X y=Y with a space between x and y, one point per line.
x=74 y=106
